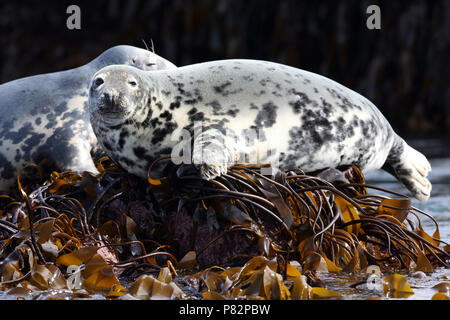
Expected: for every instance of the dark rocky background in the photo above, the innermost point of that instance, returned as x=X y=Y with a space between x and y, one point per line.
x=403 y=68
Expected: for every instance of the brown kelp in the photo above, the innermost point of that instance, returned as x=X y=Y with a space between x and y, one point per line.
x=243 y=235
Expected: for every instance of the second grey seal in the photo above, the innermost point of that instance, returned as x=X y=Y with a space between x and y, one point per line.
x=46 y=116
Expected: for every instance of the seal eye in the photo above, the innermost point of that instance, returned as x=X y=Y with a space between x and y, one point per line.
x=132 y=83
x=150 y=64
x=98 y=82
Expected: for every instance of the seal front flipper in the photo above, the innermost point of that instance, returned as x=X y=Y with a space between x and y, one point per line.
x=211 y=155
x=411 y=167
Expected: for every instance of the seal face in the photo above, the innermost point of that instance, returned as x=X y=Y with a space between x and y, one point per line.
x=46 y=116
x=240 y=109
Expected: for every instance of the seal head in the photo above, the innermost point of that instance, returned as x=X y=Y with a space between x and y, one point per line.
x=116 y=94
x=120 y=107
x=132 y=56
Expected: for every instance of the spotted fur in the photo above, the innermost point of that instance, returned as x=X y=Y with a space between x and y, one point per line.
x=268 y=110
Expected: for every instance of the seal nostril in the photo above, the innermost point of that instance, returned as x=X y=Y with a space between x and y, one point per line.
x=98 y=81
x=106 y=97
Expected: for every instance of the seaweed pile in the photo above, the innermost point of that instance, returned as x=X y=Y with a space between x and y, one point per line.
x=243 y=235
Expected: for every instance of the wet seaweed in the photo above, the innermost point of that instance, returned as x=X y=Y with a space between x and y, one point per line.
x=243 y=235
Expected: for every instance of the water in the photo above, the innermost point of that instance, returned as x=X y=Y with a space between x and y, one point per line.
x=438 y=206
x=439 y=203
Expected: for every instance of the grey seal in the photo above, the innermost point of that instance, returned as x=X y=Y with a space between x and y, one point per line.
x=246 y=109
x=46 y=116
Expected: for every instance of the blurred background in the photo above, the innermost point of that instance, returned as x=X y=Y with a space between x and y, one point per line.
x=403 y=68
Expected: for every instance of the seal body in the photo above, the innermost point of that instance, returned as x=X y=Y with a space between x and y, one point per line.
x=246 y=109
x=46 y=116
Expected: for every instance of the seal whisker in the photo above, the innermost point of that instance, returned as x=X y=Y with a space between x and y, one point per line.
x=152 y=47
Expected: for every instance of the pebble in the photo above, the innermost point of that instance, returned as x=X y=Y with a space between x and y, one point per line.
x=418 y=274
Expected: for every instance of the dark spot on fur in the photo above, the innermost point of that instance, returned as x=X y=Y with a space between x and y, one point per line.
x=176 y=104
x=301 y=101
x=107 y=146
x=166 y=115
x=18 y=136
x=147 y=119
x=220 y=89
x=139 y=152
x=342 y=131
x=34 y=111
x=58 y=141
x=30 y=143
x=277 y=94
x=233 y=112
x=123 y=134
x=160 y=133
x=17 y=156
x=7 y=169
x=190 y=101
x=198 y=94
x=224 y=90
x=180 y=88
x=192 y=111
x=75 y=114
x=165 y=151
x=155 y=122
x=215 y=104
x=127 y=161
x=194 y=115
x=327 y=108
x=345 y=103
x=199 y=116
x=59 y=109
x=267 y=116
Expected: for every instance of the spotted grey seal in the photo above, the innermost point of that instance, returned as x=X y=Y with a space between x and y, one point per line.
x=301 y=119
x=46 y=116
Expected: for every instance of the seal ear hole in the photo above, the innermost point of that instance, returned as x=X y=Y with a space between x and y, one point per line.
x=133 y=61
